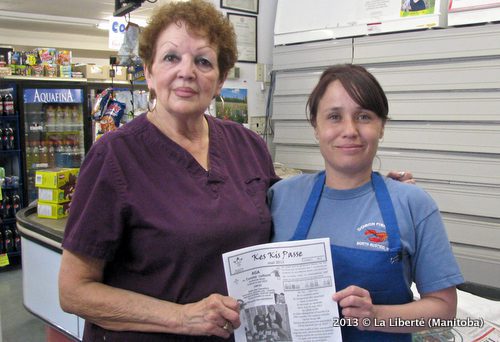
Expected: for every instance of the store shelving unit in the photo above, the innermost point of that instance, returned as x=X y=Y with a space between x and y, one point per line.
x=11 y=185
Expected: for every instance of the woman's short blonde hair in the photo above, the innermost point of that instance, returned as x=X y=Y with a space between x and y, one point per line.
x=202 y=19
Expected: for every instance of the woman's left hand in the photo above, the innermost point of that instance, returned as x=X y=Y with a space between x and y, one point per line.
x=402 y=176
x=356 y=304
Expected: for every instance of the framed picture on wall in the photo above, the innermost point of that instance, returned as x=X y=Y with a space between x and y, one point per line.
x=250 y=6
x=245 y=27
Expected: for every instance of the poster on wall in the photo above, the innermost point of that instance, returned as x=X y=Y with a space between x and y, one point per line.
x=339 y=18
x=471 y=5
x=417 y=7
x=232 y=104
x=372 y=11
x=401 y=15
x=461 y=12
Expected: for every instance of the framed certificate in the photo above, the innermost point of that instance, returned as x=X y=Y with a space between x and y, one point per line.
x=250 y=6
x=245 y=27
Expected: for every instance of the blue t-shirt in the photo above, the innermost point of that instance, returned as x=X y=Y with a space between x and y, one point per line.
x=352 y=218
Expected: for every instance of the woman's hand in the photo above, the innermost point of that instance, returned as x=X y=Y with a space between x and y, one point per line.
x=402 y=176
x=356 y=303
x=82 y=292
x=215 y=315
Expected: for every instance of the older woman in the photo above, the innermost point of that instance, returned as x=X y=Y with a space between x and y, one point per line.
x=160 y=199
x=384 y=234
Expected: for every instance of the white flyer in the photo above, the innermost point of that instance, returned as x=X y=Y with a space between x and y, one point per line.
x=285 y=291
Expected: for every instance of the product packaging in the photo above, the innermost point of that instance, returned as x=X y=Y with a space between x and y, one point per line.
x=57 y=178
x=52 y=210
x=56 y=196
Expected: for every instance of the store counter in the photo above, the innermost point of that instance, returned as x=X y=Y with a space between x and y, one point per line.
x=41 y=258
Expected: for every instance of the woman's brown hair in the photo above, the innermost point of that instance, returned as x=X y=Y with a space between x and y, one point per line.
x=360 y=84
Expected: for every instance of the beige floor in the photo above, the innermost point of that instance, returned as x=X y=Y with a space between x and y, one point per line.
x=16 y=323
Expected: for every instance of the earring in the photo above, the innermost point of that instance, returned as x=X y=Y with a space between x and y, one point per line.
x=222 y=113
x=151 y=100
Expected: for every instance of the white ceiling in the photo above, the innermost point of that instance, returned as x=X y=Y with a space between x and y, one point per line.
x=37 y=15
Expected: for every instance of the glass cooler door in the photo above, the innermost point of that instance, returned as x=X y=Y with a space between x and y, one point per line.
x=54 y=133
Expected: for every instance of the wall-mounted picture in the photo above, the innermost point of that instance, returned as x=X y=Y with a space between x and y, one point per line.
x=245 y=27
x=232 y=105
x=250 y=6
x=416 y=7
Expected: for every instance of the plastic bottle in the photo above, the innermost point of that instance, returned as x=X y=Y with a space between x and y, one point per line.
x=5 y=139
x=77 y=156
x=68 y=117
x=50 y=117
x=52 y=154
x=75 y=116
x=68 y=153
x=17 y=240
x=60 y=119
x=36 y=155
x=44 y=155
x=6 y=206
x=9 y=242
x=29 y=155
x=8 y=104
x=59 y=151
x=9 y=133
x=16 y=204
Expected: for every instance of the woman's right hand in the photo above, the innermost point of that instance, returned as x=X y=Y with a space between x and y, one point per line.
x=215 y=315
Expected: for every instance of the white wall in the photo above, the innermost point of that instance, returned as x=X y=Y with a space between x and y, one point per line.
x=257 y=91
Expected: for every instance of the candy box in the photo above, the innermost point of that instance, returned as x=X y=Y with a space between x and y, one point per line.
x=52 y=210
x=47 y=55
x=58 y=178
x=57 y=196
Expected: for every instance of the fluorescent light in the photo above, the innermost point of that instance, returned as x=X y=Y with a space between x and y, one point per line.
x=47 y=19
x=103 y=25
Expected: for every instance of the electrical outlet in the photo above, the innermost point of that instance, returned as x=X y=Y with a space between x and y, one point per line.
x=257 y=124
x=267 y=72
x=260 y=72
x=233 y=74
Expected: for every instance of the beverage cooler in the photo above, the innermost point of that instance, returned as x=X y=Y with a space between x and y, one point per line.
x=11 y=180
x=55 y=127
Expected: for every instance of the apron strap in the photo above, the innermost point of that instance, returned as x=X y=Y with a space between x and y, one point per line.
x=383 y=199
x=387 y=211
x=310 y=208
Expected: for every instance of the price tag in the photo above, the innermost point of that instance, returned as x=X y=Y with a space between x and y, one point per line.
x=4 y=260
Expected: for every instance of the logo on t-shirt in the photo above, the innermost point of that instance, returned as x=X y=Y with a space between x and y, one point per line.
x=376 y=236
x=372 y=235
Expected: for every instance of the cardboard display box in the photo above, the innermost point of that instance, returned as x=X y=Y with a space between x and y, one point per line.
x=57 y=196
x=58 y=178
x=52 y=210
x=92 y=71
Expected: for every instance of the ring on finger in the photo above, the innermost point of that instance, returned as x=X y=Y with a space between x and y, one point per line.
x=401 y=174
x=226 y=325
